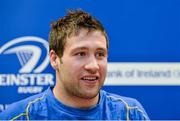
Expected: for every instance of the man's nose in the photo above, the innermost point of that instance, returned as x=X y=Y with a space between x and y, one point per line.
x=92 y=65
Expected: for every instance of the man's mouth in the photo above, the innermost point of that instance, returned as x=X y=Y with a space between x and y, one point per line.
x=90 y=78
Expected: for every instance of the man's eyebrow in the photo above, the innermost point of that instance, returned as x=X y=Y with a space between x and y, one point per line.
x=79 y=48
x=102 y=49
x=86 y=48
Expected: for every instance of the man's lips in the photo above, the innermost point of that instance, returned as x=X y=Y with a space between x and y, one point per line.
x=90 y=79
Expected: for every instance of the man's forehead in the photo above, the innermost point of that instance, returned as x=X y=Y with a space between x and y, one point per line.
x=85 y=35
x=85 y=39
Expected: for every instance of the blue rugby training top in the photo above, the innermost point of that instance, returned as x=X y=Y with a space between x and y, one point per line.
x=45 y=106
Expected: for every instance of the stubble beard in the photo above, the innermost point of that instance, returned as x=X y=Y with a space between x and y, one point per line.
x=83 y=94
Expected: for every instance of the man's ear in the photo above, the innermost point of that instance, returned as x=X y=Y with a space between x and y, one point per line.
x=53 y=59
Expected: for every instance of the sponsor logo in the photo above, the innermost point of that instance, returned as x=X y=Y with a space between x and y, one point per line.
x=149 y=73
x=30 y=77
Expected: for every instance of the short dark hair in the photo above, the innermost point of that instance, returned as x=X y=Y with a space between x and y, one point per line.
x=71 y=24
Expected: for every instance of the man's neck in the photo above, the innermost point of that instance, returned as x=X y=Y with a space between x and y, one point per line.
x=73 y=101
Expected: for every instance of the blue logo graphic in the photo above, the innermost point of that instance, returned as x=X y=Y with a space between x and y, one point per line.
x=32 y=53
x=28 y=55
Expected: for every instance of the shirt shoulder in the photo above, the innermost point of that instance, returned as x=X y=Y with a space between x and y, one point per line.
x=19 y=110
x=129 y=107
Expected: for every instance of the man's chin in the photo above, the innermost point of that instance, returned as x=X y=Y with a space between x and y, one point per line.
x=89 y=95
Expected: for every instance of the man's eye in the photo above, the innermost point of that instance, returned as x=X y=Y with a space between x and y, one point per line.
x=100 y=54
x=81 y=54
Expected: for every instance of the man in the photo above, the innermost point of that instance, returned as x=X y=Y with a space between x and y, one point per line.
x=78 y=53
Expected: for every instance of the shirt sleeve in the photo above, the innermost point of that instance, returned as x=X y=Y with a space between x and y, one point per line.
x=137 y=112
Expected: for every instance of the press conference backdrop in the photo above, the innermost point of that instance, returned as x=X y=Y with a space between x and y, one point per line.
x=144 y=53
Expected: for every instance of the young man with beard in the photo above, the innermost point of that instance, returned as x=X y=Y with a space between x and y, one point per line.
x=78 y=53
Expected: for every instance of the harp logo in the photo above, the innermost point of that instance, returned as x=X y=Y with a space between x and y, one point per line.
x=32 y=55
x=28 y=55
